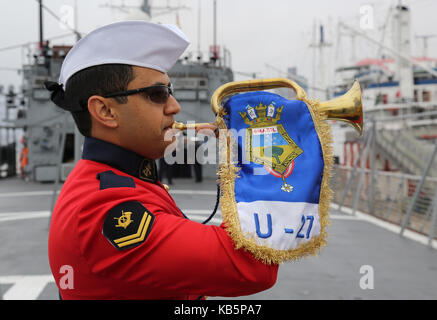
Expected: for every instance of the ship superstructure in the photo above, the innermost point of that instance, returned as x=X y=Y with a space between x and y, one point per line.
x=48 y=133
x=397 y=89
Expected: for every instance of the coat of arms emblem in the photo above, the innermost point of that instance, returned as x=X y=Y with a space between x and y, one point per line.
x=268 y=143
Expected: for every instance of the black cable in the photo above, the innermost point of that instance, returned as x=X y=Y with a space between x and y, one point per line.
x=216 y=206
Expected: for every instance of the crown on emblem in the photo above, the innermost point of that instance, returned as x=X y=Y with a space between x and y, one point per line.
x=262 y=114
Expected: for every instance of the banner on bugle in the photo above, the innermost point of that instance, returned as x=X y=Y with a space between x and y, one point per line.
x=275 y=192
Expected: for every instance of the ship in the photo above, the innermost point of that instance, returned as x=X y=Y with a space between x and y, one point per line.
x=45 y=135
x=399 y=92
x=391 y=171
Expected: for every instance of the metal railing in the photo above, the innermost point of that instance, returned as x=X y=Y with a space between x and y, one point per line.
x=408 y=198
x=393 y=194
x=408 y=151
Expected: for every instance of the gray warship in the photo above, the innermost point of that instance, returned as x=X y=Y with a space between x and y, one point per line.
x=48 y=133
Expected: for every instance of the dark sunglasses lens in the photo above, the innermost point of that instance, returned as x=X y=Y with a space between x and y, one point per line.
x=158 y=94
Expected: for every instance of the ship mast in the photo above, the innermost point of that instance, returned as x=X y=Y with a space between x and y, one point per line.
x=215 y=23
x=41 y=37
x=215 y=48
x=321 y=45
x=402 y=44
x=199 y=16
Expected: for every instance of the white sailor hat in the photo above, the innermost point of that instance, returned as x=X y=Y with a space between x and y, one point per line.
x=137 y=43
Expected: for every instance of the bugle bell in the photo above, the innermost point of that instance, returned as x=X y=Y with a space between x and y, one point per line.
x=347 y=108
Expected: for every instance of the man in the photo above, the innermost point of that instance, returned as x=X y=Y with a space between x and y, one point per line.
x=114 y=227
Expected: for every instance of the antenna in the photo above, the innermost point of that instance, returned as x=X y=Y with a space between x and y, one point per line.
x=215 y=24
x=54 y=15
x=252 y=75
x=425 y=42
x=145 y=7
x=199 y=15
x=214 y=50
x=321 y=45
x=41 y=38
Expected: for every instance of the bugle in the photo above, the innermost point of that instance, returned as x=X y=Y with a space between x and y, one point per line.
x=275 y=195
x=347 y=108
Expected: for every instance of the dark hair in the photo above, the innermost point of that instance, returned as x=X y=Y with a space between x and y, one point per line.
x=97 y=80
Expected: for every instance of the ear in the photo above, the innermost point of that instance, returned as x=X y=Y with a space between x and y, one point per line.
x=102 y=110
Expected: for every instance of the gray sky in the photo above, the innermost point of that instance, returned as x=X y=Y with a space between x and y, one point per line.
x=257 y=32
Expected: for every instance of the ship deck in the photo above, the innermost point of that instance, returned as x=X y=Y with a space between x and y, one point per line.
x=402 y=268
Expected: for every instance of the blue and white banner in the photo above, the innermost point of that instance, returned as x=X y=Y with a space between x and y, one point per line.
x=281 y=182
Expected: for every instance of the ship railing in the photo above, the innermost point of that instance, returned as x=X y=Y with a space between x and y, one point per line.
x=408 y=151
x=406 y=198
x=389 y=197
x=399 y=105
x=388 y=144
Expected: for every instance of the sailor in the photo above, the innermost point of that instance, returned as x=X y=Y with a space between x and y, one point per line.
x=116 y=233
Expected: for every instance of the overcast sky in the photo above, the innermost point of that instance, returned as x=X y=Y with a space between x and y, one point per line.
x=257 y=32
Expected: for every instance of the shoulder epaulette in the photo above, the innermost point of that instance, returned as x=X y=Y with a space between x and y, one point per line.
x=109 y=179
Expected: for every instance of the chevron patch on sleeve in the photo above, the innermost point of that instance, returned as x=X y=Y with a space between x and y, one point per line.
x=128 y=225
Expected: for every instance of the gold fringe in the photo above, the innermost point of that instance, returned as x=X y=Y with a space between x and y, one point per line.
x=228 y=172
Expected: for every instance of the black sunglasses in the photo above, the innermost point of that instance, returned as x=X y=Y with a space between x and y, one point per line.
x=158 y=93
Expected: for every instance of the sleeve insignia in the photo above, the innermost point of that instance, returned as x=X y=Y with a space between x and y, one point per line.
x=127 y=225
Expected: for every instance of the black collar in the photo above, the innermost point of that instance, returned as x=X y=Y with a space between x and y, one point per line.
x=120 y=158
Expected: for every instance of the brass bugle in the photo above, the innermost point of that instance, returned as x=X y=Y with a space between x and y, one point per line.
x=347 y=108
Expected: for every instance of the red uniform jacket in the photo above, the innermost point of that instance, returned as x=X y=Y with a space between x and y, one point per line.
x=116 y=233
